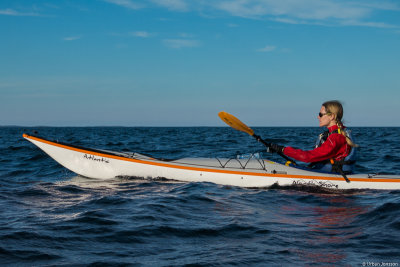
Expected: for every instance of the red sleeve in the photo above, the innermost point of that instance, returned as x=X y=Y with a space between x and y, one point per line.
x=329 y=149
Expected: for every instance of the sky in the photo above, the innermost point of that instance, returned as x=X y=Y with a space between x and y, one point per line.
x=180 y=62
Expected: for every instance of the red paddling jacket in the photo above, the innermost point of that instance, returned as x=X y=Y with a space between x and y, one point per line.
x=335 y=147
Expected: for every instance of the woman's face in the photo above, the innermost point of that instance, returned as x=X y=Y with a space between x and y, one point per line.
x=327 y=119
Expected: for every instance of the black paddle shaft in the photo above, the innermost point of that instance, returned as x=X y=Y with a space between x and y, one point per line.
x=268 y=145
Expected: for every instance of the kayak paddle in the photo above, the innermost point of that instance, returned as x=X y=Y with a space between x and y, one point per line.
x=235 y=123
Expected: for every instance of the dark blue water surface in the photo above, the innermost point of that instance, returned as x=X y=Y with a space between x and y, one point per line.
x=49 y=216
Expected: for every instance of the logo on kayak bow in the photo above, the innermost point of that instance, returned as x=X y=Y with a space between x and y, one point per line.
x=91 y=157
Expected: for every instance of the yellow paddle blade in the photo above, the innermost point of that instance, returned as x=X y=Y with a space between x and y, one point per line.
x=235 y=123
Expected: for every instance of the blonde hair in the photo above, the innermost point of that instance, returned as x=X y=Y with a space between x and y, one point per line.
x=335 y=107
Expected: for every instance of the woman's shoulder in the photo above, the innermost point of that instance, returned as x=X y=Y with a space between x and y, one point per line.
x=337 y=137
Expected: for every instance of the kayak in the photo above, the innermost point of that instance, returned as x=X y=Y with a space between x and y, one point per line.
x=250 y=172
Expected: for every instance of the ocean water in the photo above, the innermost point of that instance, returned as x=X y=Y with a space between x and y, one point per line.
x=49 y=216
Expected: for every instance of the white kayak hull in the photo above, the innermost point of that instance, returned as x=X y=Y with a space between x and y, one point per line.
x=102 y=164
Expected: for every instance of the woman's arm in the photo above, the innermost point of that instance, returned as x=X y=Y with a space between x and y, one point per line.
x=331 y=148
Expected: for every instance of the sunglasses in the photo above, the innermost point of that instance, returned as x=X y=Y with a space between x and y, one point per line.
x=323 y=114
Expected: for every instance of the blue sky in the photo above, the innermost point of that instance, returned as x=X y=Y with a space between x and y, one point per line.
x=180 y=62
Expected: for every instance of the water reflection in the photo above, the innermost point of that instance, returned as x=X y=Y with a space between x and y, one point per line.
x=60 y=201
x=328 y=227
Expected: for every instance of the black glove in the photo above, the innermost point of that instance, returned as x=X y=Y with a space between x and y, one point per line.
x=276 y=148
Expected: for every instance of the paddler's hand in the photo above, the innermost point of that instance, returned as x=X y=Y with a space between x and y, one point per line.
x=276 y=148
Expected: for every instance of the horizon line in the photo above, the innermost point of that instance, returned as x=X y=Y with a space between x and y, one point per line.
x=188 y=126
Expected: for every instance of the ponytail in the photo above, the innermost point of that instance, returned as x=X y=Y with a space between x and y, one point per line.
x=336 y=108
x=344 y=133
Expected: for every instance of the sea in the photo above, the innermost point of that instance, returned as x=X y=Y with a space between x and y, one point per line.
x=50 y=216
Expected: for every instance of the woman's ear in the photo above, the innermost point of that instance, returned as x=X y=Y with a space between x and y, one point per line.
x=332 y=117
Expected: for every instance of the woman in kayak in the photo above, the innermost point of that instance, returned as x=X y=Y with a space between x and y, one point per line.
x=334 y=151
